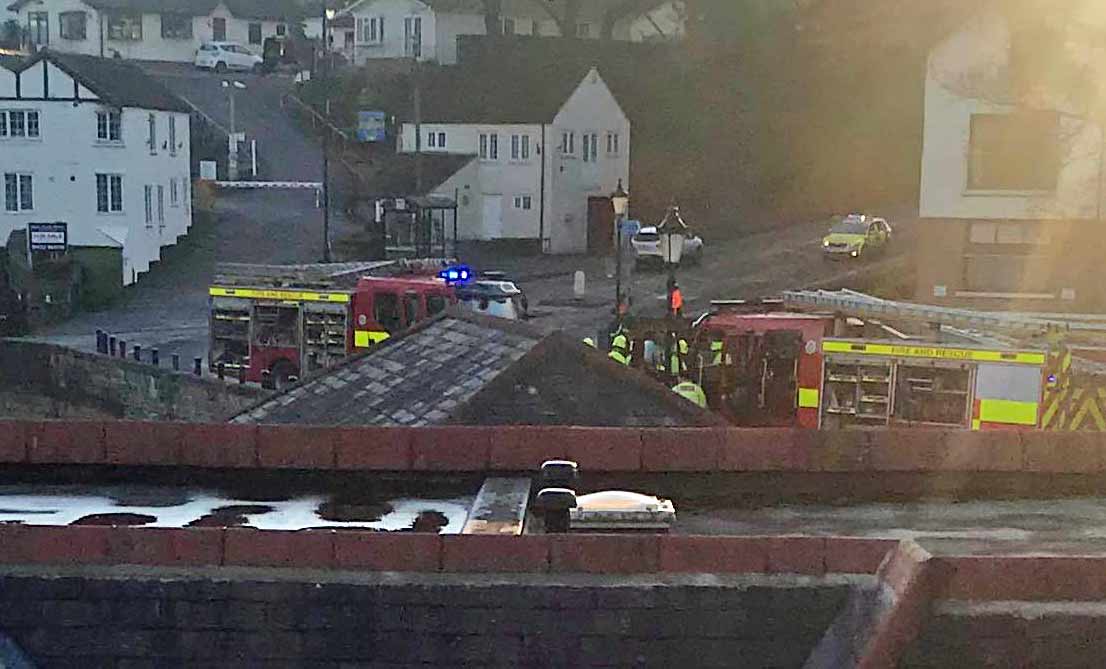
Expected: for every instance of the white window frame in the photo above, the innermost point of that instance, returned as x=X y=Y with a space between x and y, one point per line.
x=174 y=193
x=151 y=124
x=613 y=148
x=160 y=206
x=489 y=146
x=432 y=140
x=20 y=204
x=7 y=125
x=583 y=30
x=523 y=202
x=148 y=196
x=113 y=193
x=412 y=28
x=516 y=147
x=104 y=120
x=507 y=25
x=568 y=143
x=172 y=135
x=441 y=139
x=370 y=30
x=590 y=147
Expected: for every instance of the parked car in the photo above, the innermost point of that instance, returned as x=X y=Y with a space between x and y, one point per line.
x=223 y=56
x=647 y=247
x=856 y=235
x=494 y=297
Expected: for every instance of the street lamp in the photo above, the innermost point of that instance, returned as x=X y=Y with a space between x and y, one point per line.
x=620 y=200
x=672 y=232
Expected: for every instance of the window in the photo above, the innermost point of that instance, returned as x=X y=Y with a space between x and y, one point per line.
x=590 y=147
x=435 y=304
x=412 y=36
x=73 y=25
x=174 y=193
x=523 y=202
x=19 y=123
x=411 y=307
x=109 y=126
x=431 y=139
x=489 y=146
x=441 y=140
x=152 y=140
x=18 y=192
x=109 y=193
x=1014 y=151
x=281 y=30
x=386 y=311
x=507 y=26
x=371 y=30
x=125 y=26
x=38 y=28
x=583 y=30
x=568 y=143
x=255 y=33
x=172 y=135
x=176 y=26
x=520 y=147
x=219 y=29
x=148 y=193
x=612 y=143
x=161 y=205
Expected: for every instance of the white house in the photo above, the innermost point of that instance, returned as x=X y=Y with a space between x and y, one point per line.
x=1011 y=193
x=546 y=149
x=98 y=145
x=428 y=29
x=166 y=30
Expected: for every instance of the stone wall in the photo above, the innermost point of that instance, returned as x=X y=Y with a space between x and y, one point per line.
x=91 y=618
x=82 y=384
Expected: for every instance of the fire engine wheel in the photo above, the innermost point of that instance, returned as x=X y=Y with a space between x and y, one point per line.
x=281 y=373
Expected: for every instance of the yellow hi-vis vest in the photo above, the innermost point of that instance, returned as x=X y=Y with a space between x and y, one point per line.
x=676 y=363
x=691 y=392
x=716 y=353
x=620 y=350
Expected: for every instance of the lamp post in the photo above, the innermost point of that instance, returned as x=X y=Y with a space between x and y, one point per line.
x=328 y=14
x=620 y=200
x=232 y=141
x=672 y=231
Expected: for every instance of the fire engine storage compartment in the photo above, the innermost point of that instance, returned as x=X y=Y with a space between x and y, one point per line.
x=874 y=385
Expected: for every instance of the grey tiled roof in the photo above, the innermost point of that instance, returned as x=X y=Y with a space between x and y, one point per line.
x=414 y=379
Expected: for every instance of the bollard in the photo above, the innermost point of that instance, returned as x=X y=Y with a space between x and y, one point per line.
x=176 y=362
x=137 y=353
x=100 y=346
x=123 y=348
x=579 y=285
x=155 y=359
x=111 y=346
x=220 y=371
x=196 y=366
x=241 y=374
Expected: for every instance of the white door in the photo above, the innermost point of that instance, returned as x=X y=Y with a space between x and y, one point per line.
x=493 y=216
x=412 y=33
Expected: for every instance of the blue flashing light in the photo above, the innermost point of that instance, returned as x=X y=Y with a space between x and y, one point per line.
x=455 y=275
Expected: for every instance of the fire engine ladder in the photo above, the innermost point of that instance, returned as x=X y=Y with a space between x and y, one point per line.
x=1019 y=326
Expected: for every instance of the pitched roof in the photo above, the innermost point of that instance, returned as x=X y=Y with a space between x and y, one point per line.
x=499 y=93
x=469 y=369
x=394 y=175
x=116 y=81
x=246 y=9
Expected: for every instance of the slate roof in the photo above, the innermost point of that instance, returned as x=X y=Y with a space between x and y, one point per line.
x=116 y=81
x=246 y=9
x=468 y=369
x=394 y=175
x=499 y=93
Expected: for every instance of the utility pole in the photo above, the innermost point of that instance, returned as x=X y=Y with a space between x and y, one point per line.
x=326 y=137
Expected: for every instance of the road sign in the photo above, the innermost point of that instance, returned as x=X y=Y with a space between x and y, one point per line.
x=47 y=237
x=371 y=126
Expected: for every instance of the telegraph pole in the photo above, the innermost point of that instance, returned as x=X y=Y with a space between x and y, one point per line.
x=326 y=137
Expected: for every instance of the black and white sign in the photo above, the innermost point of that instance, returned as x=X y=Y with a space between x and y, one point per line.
x=47 y=236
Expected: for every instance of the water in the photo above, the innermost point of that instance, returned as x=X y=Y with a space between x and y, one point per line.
x=176 y=507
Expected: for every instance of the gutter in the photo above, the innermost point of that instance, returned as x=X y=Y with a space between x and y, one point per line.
x=541 y=196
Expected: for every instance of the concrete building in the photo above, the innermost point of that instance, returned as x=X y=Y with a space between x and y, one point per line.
x=160 y=30
x=550 y=147
x=428 y=29
x=1011 y=190
x=98 y=145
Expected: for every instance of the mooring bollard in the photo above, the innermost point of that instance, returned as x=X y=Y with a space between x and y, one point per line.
x=137 y=353
x=111 y=346
x=155 y=359
x=100 y=341
x=196 y=366
x=176 y=362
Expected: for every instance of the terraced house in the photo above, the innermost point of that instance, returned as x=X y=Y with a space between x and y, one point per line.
x=166 y=30
x=96 y=144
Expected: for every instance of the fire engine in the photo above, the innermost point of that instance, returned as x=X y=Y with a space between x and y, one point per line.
x=276 y=325
x=833 y=360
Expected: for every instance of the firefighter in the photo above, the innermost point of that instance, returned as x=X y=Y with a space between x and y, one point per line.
x=675 y=299
x=620 y=349
x=677 y=356
x=690 y=391
x=589 y=341
x=715 y=350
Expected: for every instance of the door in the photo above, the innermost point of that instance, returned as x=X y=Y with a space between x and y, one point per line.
x=412 y=36
x=600 y=226
x=218 y=29
x=493 y=216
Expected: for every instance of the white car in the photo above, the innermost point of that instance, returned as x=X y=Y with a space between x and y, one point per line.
x=223 y=56
x=647 y=247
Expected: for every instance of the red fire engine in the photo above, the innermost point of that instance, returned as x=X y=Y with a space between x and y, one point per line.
x=279 y=333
